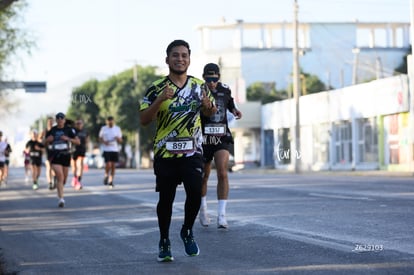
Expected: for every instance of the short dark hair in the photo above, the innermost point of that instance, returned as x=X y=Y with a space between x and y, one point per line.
x=69 y=123
x=60 y=115
x=110 y=118
x=177 y=43
x=211 y=68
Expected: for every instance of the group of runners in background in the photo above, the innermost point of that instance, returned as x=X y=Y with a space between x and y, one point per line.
x=64 y=146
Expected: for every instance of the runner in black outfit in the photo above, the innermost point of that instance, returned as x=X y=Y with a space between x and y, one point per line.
x=79 y=154
x=60 y=137
x=34 y=148
x=217 y=143
x=50 y=174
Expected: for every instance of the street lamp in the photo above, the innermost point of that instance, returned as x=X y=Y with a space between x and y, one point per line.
x=296 y=93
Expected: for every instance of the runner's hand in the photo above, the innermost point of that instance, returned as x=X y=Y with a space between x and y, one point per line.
x=205 y=101
x=237 y=114
x=168 y=93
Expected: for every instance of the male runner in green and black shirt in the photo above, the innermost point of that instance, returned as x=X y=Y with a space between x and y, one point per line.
x=175 y=102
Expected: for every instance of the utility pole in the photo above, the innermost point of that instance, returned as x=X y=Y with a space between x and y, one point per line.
x=356 y=52
x=296 y=81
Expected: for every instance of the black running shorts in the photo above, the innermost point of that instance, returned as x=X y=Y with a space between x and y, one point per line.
x=171 y=172
x=60 y=158
x=209 y=150
x=77 y=154
x=111 y=156
x=36 y=161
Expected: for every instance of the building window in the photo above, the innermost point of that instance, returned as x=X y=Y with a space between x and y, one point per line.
x=343 y=142
x=283 y=152
x=367 y=140
x=269 y=144
x=320 y=143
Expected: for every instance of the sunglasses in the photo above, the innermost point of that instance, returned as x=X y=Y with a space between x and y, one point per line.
x=211 y=79
x=60 y=117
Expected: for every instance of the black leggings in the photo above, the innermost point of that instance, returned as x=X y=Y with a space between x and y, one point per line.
x=170 y=173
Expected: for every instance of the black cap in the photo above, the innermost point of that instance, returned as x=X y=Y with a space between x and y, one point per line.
x=211 y=68
x=60 y=115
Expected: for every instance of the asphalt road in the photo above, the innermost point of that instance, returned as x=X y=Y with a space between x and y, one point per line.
x=280 y=223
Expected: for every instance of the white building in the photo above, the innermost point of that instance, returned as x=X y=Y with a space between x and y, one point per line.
x=365 y=126
x=360 y=127
x=340 y=54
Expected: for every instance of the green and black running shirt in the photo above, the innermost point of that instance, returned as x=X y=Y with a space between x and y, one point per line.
x=178 y=118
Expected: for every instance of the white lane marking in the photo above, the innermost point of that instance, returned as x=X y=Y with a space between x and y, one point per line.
x=126 y=230
x=344 y=197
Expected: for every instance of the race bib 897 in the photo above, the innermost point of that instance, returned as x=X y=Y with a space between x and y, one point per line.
x=180 y=145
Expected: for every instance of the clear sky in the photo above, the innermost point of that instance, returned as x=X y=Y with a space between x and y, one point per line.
x=80 y=37
x=108 y=36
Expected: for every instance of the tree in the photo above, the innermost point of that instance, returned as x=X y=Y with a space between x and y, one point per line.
x=313 y=84
x=264 y=92
x=4 y=4
x=83 y=105
x=12 y=40
x=118 y=96
x=310 y=84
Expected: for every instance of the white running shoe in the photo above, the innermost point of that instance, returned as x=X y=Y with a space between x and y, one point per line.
x=204 y=218
x=61 y=202
x=222 y=222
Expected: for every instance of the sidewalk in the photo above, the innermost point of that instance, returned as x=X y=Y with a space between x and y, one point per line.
x=372 y=173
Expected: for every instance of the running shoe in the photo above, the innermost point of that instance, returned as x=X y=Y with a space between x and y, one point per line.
x=50 y=186
x=73 y=183
x=61 y=203
x=105 y=181
x=111 y=185
x=78 y=185
x=222 y=222
x=35 y=186
x=204 y=218
x=165 y=251
x=191 y=247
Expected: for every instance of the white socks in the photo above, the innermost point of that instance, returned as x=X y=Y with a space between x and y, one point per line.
x=222 y=207
x=204 y=202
